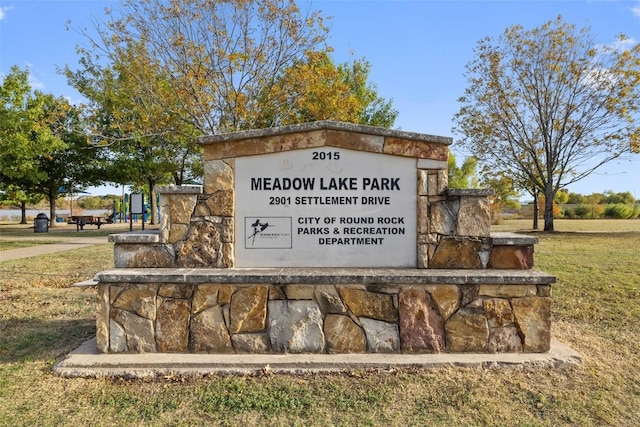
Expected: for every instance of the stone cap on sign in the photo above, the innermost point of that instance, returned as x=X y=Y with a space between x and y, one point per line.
x=178 y=189
x=317 y=276
x=503 y=238
x=470 y=192
x=326 y=133
x=140 y=236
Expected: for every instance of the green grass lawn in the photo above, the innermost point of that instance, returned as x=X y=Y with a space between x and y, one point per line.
x=596 y=311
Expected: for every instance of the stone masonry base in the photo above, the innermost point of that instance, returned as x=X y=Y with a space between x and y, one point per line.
x=323 y=311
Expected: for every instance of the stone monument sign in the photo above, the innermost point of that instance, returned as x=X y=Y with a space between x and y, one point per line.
x=323 y=237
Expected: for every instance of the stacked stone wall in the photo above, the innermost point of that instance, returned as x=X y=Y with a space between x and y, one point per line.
x=323 y=318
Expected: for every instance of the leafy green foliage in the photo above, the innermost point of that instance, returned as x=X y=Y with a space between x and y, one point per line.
x=504 y=196
x=588 y=211
x=326 y=91
x=562 y=197
x=464 y=176
x=43 y=148
x=25 y=137
x=598 y=205
x=621 y=211
x=618 y=198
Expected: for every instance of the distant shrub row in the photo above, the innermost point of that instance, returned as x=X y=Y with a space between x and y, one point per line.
x=614 y=211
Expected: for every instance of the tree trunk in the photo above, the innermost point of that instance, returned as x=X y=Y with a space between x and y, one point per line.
x=152 y=201
x=535 y=210
x=52 y=210
x=23 y=212
x=548 y=208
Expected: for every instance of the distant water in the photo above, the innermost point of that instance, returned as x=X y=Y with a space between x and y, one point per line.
x=15 y=214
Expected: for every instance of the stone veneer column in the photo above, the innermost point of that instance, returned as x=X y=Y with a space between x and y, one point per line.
x=177 y=204
x=217 y=205
x=458 y=226
x=200 y=226
x=432 y=186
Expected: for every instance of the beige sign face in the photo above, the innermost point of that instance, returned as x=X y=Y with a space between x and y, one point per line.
x=325 y=207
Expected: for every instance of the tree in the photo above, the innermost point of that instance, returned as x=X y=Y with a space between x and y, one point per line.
x=15 y=195
x=158 y=74
x=73 y=163
x=575 y=198
x=504 y=195
x=324 y=90
x=25 y=138
x=625 y=198
x=145 y=142
x=548 y=106
x=593 y=201
x=227 y=65
x=217 y=59
x=42 y=146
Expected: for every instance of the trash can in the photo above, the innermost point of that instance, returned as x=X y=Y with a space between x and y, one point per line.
x=41 y=224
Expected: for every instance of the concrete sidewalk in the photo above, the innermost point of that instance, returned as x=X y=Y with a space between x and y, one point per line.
x=51 y=248
x=85 y=362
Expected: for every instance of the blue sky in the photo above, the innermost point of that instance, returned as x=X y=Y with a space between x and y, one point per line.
x=417 y=49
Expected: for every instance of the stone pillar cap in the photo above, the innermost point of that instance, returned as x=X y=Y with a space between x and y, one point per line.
x=178 y=189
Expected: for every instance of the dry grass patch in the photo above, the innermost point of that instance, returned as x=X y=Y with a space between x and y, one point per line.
x=57 y=270
x=6 y=245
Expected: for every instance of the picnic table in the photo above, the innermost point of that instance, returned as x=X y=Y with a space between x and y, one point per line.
x=81 y=220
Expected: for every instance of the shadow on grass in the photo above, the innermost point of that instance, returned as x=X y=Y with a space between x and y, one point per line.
x=36 y=339
x=586 y=234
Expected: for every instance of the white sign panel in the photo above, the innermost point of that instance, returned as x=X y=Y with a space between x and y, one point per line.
x=325 y=207
x=137 y=201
